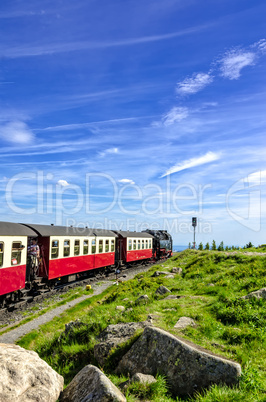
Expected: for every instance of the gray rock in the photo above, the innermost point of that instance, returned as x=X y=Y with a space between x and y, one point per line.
x=170 y=276
x=171 y=297
x=138 y=377
x=258 y=294
x=114 y=335
x=120 y=308
x=91 y=385
x=184 y=322
x=142 y=299
x=162 y=290
x=25 y=377
x=186 y=367
x=158 y=273
x=143 y=378
x=177 y=270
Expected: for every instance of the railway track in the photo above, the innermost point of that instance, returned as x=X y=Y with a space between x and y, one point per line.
x=29 y=300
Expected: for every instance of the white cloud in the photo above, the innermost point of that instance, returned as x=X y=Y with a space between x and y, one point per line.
x=194 y=84
x=126 y=181
x=16 y=132
x=256 y=178
x=261 y=45
x=175 y=115
x=63 y=183
x=189 y=163
x=233 y=62
x=109 y=151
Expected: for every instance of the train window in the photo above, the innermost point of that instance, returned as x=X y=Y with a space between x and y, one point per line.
x=143 y=244
x=1 y=254
x=66 y=248
x=85 y=246
x=138 y=244
x=93 y=247
x=112 y=245
x=147 y=244
x=100 y=246
x=76 y=247
x=130 y=244
x=106 y=246
x=134 y=244
x=55 y=249
x=150 y=243
x=16 y=253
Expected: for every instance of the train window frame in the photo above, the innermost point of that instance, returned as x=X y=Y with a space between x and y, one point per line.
x=101 y=246
x=146 y=243
x=139 y=245
x=16 y=254
x=54 y=247
x=143 y=244
x=77 y=247
x=66 y=247
x=150 y=245
x=112 y=245
x=134 y=244
x=2 y=250
x=129 y=244
x=85 y=246
x=93 y=246
x=107 y=246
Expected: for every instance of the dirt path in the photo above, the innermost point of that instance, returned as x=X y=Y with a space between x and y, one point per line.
x=13 y=335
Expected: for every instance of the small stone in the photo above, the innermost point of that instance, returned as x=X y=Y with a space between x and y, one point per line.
x=162 y=290
x=184 y=322
x=120 y=308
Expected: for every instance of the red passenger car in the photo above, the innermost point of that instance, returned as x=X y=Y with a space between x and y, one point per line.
x=13 y=258
x=67 y=251
x=134 y=246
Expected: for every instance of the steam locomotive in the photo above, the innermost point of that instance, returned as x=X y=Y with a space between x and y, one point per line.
x=68 y=253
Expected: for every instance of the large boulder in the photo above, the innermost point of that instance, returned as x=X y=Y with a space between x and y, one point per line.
x=25 y=377
x=90 y=384
x=114 y=335
x=187 y=367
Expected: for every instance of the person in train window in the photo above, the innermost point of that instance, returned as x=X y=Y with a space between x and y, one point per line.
x=34 y=249
x=33 y=257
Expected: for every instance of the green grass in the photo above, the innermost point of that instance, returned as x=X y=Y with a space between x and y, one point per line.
x=227 y=325
x=48 y=305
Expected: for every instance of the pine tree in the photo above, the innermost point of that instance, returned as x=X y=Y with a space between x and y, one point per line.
x=189 y=245
x=213 y=245
x=207 y=247
x=200 y=246
x=221 y=246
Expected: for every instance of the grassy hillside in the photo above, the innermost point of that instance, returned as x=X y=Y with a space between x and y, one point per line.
x=211 y=285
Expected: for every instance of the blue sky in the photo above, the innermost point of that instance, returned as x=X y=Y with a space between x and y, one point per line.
x=131 y=114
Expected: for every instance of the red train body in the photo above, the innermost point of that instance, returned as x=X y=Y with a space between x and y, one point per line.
x=68 y=252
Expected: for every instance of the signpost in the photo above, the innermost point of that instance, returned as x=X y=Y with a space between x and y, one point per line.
x=194 y=224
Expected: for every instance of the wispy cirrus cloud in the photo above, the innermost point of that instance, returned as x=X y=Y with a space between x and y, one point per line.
x=260 y=46
x=175 y=115
x=234 y=61
x=52 y=48
x=16 y=132
x=189 y=163
x=194 y=84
